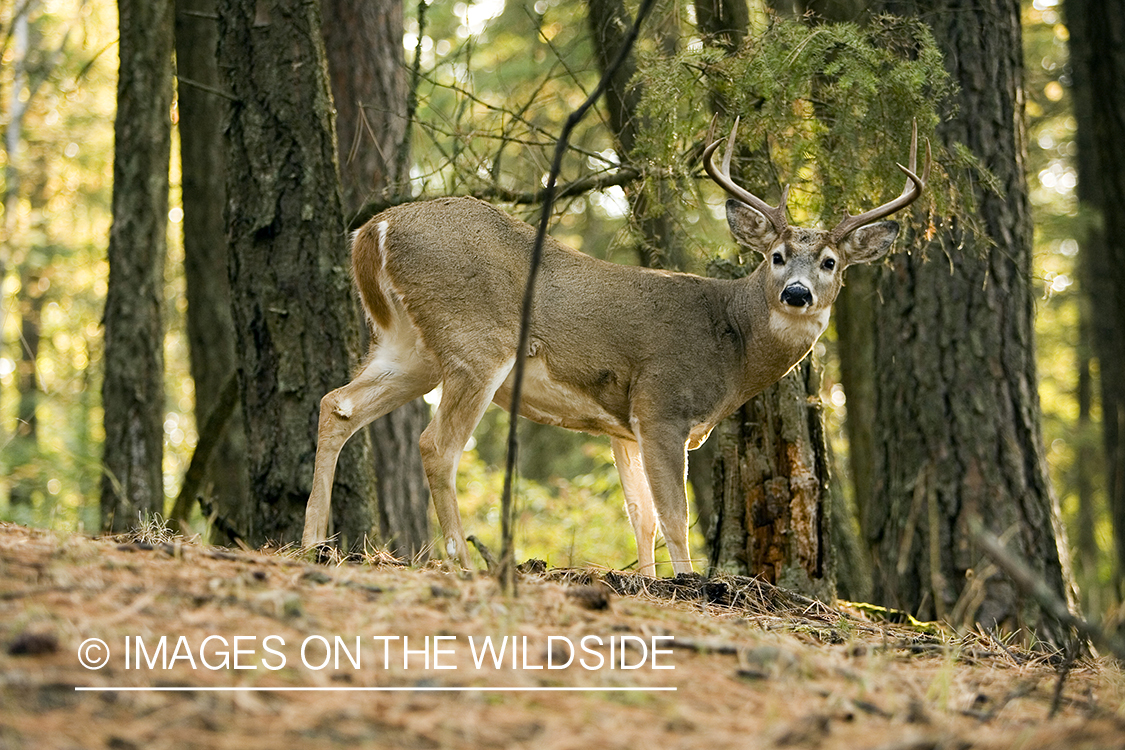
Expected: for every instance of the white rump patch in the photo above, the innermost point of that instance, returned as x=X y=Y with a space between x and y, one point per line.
x=381 y=228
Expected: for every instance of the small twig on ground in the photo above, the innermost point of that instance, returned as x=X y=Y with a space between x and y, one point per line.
x=484 y=551
x=1064 y=672
x=1027 y=581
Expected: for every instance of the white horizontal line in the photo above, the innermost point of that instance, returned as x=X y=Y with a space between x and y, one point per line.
x=469 y=689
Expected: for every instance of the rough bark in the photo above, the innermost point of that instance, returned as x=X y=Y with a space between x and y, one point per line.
x=957 y=420
x=296 y=323
x=771 y=488
x=210 y=327
x=365 y=62
x=1097 y=48
x=133 y=388
x=363 y=40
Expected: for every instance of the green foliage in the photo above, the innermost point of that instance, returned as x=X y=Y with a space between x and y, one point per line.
x=492 y=96
x=814 y=103
x=53 y=223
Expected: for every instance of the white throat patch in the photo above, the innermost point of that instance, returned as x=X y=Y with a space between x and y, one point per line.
x=799 y=331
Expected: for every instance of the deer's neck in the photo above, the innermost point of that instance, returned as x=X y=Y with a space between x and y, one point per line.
x=775 y=340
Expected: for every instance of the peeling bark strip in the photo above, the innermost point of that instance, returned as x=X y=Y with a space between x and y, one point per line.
x=771 y=481
x=133 y=390
x=296 y=322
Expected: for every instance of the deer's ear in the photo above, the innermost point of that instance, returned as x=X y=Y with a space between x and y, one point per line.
x=751 y=229
x=870 y=242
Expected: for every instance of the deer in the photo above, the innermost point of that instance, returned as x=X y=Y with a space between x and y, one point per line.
x=654 y=359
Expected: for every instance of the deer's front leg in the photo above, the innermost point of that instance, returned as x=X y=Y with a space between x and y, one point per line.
x=664 y=455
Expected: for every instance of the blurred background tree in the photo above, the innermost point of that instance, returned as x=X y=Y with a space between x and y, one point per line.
x=209 y=327
x=1096 y=31
x=366 y=64
x=133 y=376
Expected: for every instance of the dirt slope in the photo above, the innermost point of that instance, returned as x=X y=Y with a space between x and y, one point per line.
x=680 y=664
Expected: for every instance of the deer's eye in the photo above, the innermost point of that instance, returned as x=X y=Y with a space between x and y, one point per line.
x=778 y=260
x=828 y=264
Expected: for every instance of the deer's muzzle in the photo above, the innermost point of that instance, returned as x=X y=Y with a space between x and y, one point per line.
x=797 y=295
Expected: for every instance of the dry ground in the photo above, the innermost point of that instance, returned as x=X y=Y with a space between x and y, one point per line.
x=752 y=666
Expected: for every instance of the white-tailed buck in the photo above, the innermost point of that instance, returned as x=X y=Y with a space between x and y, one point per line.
x=651 y=358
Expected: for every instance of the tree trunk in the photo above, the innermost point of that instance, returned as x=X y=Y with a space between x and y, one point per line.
x=365 y=61
x=770 y=473
x=609 y=22
x=854 y=313
x=1085 y=469
x=133 y=389
x=771 y=487
x=363 y=41
x=296 y=322
x=957 y=421
x=210 y=328
x=1097 y=32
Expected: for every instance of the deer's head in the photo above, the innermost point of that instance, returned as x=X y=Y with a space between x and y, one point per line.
x=803 y=267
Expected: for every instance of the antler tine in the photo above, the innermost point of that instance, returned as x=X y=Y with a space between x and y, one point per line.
x=776 y=214
x=914 y=187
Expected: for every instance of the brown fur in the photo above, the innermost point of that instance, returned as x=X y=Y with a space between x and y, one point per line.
x=651 y=358
x=367 y=264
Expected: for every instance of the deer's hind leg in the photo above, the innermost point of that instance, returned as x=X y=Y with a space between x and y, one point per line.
x=465 y=394
x=396 y=372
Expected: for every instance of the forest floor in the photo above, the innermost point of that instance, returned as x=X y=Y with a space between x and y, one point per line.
x=279 y=652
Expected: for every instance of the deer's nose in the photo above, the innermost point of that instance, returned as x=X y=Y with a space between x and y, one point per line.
x=797 y=295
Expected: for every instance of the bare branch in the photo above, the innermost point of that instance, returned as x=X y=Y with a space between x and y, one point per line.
x=205 y=87
x=1030 y=584
x=592 y=183
x=626 y=175
x=507 y=569
x=210 y=434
